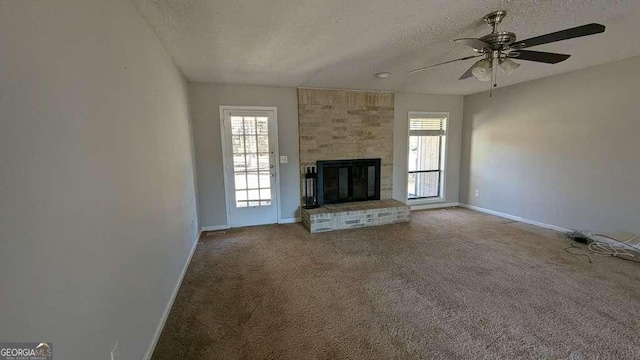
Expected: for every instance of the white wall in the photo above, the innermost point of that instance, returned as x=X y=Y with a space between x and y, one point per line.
x=205 y=100
x=431 y=103
x=561 y=150
x=97 y=205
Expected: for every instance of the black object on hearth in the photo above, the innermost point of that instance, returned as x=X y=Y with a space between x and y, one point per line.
x=310 y=190
x=341 y=181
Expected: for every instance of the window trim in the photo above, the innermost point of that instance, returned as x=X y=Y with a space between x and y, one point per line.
x=443 y=165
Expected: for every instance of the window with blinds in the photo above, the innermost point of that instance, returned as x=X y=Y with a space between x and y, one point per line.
x=427 y=137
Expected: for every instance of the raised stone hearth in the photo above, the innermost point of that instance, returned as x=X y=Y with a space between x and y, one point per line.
x=355 y=215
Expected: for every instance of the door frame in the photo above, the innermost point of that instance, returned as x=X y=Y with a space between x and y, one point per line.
x=225 y=160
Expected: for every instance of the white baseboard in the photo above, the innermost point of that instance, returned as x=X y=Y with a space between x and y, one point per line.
x=167 y=310
x=215 y=228
x=226 y=227
x=432 y=206
x=516 y=218
x=289 y=220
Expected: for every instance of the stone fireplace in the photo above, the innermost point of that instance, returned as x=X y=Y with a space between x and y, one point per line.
x=348 y=137
x=345 y=125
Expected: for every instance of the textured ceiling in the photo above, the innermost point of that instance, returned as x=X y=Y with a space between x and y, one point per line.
x=343 y=43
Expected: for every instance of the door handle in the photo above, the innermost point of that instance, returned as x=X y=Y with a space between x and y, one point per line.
x=273 y=175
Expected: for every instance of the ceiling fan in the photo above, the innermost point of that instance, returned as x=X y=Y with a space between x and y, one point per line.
x=498 y=48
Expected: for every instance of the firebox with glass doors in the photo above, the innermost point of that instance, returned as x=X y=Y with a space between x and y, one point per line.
x=341 y=181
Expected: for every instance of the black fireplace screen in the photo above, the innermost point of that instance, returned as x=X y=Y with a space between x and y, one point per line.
x=348 y=180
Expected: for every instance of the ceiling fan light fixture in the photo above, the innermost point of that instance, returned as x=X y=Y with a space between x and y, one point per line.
x=508 y=66
x=485 y=78
x=482 y=69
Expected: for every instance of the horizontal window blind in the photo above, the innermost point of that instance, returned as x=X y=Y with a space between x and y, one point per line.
x=428 y=126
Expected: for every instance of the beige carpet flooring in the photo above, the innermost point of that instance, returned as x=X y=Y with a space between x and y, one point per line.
x=452 y=284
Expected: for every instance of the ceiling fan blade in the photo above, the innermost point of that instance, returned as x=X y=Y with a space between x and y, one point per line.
x=539 y=56
x=474 y=43
x=584 y=30
x=446 y=62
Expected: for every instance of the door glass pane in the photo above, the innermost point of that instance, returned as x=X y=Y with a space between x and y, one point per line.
x=239 y=163
x=241 y=198
x=263 y=162
x=265 y=194
x=263 y=125
x=252 y=180
x=254 y=195
x=241 y=181
x=251 y=144
x=249 y=125
x=238 y=144
x=251 y=160
x=265 y=180
x=263 y=143
x=236 y=125
x=241 y=195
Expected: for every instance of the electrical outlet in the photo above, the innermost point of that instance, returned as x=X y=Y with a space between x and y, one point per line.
x=477 y=193
x=284 y=159
x=116 y=353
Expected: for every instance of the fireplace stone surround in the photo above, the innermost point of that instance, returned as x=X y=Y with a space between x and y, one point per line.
x=343 y=125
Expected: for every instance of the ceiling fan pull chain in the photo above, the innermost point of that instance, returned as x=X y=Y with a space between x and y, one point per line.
x=494 y=71
x=493 y=74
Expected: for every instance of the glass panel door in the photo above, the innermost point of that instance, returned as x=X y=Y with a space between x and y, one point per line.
x=250 y=136
x=251 y=160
